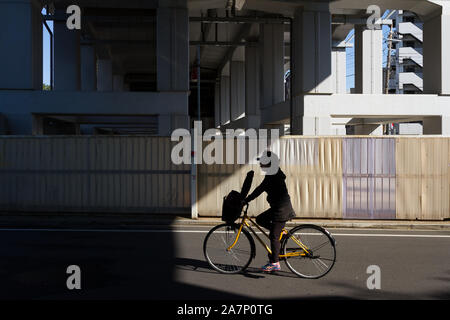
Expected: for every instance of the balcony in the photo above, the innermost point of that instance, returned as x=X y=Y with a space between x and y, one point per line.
x=414 y=29
x=414 y=54
x=412 y=78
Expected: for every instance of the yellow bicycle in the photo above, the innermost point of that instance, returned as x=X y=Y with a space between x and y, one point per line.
x=308 y=250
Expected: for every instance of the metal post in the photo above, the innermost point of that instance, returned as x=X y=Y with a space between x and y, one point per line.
x=194 y=172
x=291 y=85
x=198 y=84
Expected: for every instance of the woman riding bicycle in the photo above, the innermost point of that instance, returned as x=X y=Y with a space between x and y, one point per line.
x=273 y=219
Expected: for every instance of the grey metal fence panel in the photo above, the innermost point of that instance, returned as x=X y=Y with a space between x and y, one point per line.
x=369 y=178
x=92 y=174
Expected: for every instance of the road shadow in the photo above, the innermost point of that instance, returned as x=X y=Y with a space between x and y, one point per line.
x=363 y=293
x=114 y=264
x=203 y=266
x=123 y=265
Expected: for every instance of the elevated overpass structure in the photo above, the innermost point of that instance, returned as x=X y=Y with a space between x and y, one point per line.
x=141 y=59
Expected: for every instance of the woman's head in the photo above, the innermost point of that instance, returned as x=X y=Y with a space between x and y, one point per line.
x=269 y=162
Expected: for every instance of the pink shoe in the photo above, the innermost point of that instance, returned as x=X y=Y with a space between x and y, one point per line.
x=271 y=267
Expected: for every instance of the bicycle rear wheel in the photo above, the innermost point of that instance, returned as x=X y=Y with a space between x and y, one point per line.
x=310 y=251
x=219 y=239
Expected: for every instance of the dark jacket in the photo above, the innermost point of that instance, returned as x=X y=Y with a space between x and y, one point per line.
x=277 y=196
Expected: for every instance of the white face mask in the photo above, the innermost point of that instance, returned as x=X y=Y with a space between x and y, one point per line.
x=274 y=165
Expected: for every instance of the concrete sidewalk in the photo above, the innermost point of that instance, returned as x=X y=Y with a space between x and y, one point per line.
x=130 y=221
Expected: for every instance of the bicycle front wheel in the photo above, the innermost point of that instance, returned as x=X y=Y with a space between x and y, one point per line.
x=216 y=248
x=309 y=251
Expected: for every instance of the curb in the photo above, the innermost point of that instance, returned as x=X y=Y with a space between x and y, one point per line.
x=140 y=222
x=411 y=225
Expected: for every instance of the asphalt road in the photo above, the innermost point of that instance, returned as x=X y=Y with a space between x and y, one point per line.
x=167 y=263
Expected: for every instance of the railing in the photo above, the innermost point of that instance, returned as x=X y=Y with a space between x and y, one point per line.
x=410 y=78
x=410 y=28
x=415 y=54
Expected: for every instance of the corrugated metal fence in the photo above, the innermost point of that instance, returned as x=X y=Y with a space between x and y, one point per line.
x=423 y=178
x=327 y=177
x=92 y=174
x=313 y=168
x=348 y=178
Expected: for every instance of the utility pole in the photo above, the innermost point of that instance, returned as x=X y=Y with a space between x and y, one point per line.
x=388 y=67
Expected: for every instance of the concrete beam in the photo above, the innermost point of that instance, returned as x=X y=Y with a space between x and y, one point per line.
x=19 y=106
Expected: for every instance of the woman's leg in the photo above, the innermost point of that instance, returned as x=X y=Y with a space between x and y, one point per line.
x=275 y=243
x=265 y=221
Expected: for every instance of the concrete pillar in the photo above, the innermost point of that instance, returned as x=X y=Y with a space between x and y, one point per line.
x=338 y=126
x=169 y=122
x=104 y=75
x=224 y=99
x=217 y=105
x=21 y=45
x=272 y=67
x=252 y=87
x=237 y=84
x=118 y=84
x=436 y=125
x=311 y=65
x=445 y=123
x=172 y=47
x=88 y=68
x=164 y=124
x=316 y=126
x=368 y=60
x=312 y=51
x=37 y=125
x=338 y=69
x=67 y=57
x=436 y=52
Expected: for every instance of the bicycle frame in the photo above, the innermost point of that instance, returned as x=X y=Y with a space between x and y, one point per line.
x=245 y=222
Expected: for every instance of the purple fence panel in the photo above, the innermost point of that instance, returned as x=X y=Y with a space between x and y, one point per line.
x=369 y=178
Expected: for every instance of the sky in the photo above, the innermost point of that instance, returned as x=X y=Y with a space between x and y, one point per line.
x=46 y=51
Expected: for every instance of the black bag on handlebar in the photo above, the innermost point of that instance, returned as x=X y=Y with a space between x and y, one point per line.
x=232 y=206
x=233 y=202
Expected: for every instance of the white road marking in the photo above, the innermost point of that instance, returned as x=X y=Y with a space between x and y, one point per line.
x=206 y=231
